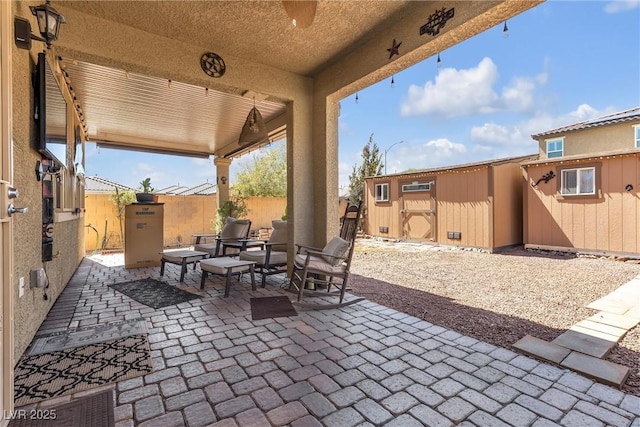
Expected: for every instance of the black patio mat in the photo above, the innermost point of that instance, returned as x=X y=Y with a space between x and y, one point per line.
x=269 y=307
x=154 y=293
x=95 y=410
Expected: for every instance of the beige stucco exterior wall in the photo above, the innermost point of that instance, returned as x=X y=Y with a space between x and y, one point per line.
x=507 y=205
x=31 y=309
x=608 y=223
x=615 y=137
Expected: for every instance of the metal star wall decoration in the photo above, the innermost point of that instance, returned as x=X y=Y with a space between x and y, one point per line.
x=395 y=49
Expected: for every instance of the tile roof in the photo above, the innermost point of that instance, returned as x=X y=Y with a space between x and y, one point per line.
x=609 y=119
x=95 y=184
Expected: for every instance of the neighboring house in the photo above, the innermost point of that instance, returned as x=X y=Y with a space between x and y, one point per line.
x=582 y=193
x=473 y=205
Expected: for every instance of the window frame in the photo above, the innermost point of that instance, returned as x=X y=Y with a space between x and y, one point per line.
x=551 y=141
x=384 y=186
x=416 y=183
x=578 y=170
x=636 y=133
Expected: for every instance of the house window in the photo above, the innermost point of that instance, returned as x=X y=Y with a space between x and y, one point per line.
x=636 y=130
x=579 y=181
x=555 y=148
x=416 y=186
x=382 y=192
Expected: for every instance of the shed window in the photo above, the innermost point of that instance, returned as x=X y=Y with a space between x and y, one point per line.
x=382 y=192
x=416 y=186
x=555 y=148
x=636 y=130
x=578 y=181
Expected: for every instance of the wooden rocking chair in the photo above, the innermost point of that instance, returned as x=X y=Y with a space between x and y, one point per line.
x=329 y=266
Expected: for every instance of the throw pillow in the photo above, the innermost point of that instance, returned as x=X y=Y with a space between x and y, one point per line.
x=337 y=247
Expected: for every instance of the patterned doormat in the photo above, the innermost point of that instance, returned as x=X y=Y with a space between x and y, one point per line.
x=154 y=293
x=86 y=335
x=95 y=410
x=47 y=375
x=269 y=307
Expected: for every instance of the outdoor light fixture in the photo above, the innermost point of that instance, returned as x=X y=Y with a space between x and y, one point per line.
x=49 y=21
x=505 y=30
x=439 y=62
x=254 y=130
x=301 y=12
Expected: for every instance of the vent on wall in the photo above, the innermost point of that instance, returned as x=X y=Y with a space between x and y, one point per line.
x=454 y=235
x=384 y=229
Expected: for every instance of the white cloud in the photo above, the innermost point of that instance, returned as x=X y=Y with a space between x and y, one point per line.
x=471 y=92
x=455 y=92
x=518 y=135
x=621 y=6
x=446 y=148
x=518 y=96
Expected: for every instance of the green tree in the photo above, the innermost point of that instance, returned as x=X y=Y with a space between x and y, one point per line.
x=371 y=166
x=266 y=176
x=235 y=207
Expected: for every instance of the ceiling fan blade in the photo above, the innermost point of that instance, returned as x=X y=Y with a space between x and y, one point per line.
x=301 y=12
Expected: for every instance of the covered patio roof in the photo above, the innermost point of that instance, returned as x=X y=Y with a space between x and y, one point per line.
x=134 y=103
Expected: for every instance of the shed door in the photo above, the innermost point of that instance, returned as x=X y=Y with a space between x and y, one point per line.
x=417 y=212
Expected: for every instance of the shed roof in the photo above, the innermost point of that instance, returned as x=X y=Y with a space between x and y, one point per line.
x=609 y=119
x=493 y=162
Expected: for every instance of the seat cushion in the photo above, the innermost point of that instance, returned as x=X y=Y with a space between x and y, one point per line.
x=259 y=257
x=221 y=265
x=337 y=247
x=206 y=247
x=318 y=265
x=178 y=259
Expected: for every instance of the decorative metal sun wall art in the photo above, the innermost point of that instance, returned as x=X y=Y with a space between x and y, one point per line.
x=212 y=64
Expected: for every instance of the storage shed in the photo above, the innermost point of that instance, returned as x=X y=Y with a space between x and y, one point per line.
x=582 y=195
x=472 y=205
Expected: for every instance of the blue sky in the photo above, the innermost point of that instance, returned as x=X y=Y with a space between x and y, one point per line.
x=563 y=62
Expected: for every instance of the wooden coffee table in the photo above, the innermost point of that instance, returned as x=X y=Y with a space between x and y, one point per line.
x=226 y=266
x=183 y=258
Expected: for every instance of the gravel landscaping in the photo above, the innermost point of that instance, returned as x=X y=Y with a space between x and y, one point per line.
x=497 y=298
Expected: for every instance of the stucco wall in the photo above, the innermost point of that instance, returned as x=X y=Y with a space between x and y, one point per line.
x=608 y=222
x=31 y=309
x=614 y=137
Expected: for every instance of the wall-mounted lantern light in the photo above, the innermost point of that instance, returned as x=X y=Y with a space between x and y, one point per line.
x=49 y=21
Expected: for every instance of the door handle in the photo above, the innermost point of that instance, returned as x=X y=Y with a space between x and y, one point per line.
x=13 y=210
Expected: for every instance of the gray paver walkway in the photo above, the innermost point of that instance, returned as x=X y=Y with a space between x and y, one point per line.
x=364 y=364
